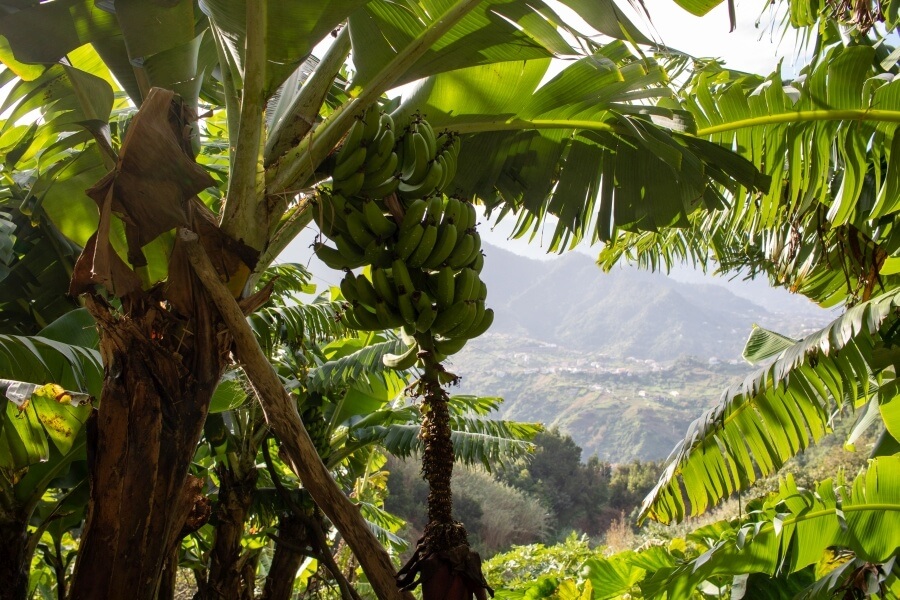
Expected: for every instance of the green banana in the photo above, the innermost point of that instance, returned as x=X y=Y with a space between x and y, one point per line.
x=424 y=128
x=423 y=250
x=377 y=254
x=450 y=318
x=351 y=165
x=483 y=325
x=481 y=292
x=387 y=171
x=466 y=322
x=416 y=159
x=471 y=216
x=368 y=321
x=385 y=189
x=476 y=249
x=475 y=320
x=372 y=125
x=387 y=316
x=348 y=287
x=444 y=287
x=452 y=211
x=402 y=362
x=405 y=306
x=402 y=280
x=464 y=285
x=384 y=287
x=462 y=251
x=408 y=240
x=414 y=214
x=380 y=152
x=349 y=186
x=329 y=219
x=352 y=141
x=449 y=347
x=478 y=262
x=353 y=253
x=426 y=318
x=445 y=172
x=444 y=245
x=426 y=186
x=359 y=230
x=435 y=210
x=365 y=291
x=331 y=257
x=376 y=221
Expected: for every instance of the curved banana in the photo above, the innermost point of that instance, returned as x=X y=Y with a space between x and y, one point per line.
x=414 y=214
x=359 y=230
x=426 y=186
x=377 y=222
x=384 y=287
x=402 y=362
x=423 y=250
x=351 y=165
x=365 y=291
x=416 y=159
x=402 y=280
x=486 y=321
x=444 y=287
x=450 y=318
x=448 y=346
x=444 y=245
x=349 y=186
x=387 y=316
x=409 y=240
x=463 y=250
x=331 y=257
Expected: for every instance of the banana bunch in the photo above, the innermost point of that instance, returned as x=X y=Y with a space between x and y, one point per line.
x=424 y=259
x=313 y=417
x=432 y=286
x=428 y=161
x=366 y=162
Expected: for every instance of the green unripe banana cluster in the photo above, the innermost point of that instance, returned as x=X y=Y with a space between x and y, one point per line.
x=425 y=253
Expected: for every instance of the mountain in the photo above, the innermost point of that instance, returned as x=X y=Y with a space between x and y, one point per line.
x=569 y=301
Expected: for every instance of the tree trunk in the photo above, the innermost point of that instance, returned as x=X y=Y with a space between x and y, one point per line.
x=160 y=373
x=292 y=537
x=13 y=567
x=226 y=580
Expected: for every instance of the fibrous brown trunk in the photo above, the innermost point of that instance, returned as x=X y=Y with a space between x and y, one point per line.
x=13 y=566
x=226 y=581
x=163 y=352
x=292 y=538
x=140 y=444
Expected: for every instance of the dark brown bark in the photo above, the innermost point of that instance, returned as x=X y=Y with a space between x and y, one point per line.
x=289 y=555
x=226 y=572
x=140 y=444
x=281 y=414
x=13 y=564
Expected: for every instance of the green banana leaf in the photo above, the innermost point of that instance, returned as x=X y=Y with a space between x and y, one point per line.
x=778 y=411
x=791 y=529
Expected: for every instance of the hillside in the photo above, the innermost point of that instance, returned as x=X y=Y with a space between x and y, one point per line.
x=622 y=362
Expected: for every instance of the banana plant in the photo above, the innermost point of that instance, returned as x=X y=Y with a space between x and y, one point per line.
x=46 y=391
x=85 y=66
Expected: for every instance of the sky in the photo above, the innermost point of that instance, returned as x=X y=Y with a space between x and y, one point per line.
x=757 y=45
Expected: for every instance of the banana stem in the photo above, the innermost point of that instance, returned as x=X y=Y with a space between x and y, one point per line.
x=442 y=533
